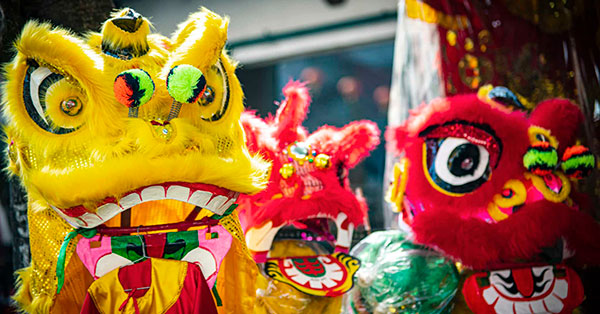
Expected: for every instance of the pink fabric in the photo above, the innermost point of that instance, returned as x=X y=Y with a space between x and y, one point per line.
x=89 y=252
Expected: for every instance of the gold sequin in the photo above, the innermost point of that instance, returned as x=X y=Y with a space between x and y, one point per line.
x=451 y=38
x=45 y=249
x=232 y=224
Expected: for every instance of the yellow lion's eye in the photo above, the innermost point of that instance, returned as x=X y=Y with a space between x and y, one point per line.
x=208 y=97
x=213 y=103
x=52 y=101
x=71 y=107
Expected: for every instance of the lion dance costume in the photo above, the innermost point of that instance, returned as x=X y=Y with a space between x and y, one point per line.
x=288 y=224
x=132 y=154
x=492 y=186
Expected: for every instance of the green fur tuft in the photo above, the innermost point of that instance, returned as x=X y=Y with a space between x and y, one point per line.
x=146 y=84
x=534 y=158
x=182 y=83
x=586 y=160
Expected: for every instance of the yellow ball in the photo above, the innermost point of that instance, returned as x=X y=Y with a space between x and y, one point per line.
x=322 y=161
x=287 y=170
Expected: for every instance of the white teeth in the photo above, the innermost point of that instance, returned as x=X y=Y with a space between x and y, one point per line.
x=180 y=193
x=92 y=220
x=344 y=236
x=227 y=205
x=200 y=198
x=216 y=203
x=522 y=308
x=153 y=193
x=538 y=306
x=490 y=295
x=504 y=306
x=108 y=211
x=561 y=288
x=260 y=239
x=130 y=200
x=553 y=304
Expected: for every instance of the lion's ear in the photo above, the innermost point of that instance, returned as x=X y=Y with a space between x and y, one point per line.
x=52 y=78
x=199 y=41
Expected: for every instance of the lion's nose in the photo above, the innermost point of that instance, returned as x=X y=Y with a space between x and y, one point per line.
x=162 y=130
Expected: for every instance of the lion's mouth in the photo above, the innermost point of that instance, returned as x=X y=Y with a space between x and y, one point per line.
x=260 y=239
x=215 y=199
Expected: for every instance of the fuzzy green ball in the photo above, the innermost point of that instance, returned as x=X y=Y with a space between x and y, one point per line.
x=185 y=83
x=541 y=158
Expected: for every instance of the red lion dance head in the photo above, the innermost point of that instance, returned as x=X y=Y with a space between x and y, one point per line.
x=484 y=183
x=308 y=183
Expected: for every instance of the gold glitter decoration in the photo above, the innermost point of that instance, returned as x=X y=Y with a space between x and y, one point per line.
x=223 y=144
x=29 y=158
x=469 y=44
x=422 y=11
x=68 y=77
x=231 y=222
x=451 y=38
x=475 y=71
x=74 y=159
x=163 y=132
x=484 y=37
x=287 y=170
x=45 y=249
x=12 y=152
x=322 y=161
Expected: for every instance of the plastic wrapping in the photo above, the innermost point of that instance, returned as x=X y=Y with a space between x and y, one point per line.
x=399 y=276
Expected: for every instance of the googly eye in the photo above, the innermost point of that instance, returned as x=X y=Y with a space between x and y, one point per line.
x=457 y=165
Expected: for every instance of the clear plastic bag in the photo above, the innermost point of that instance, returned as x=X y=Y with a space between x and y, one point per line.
x=399 y=276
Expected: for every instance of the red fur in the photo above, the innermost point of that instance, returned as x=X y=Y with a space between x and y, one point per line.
x=291 y=113
x=510 y=127
x=453 y=223
x=561 y=117
x=346 y=147
x=520 y=237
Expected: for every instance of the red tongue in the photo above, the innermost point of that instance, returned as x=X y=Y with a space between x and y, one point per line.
x=524 y=281
x=553 y=182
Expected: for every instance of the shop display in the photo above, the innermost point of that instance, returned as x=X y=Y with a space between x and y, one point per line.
x=133 y=157
x=288 y=224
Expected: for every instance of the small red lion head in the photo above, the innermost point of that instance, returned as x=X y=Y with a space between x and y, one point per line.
x=309 y=176
x=481 y=181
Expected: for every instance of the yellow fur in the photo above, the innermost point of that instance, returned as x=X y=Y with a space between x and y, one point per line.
x=110 y=154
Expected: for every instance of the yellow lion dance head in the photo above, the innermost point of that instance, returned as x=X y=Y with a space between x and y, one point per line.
x=88 y=162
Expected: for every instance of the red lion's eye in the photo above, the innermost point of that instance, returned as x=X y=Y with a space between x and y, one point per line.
x=459 y=157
